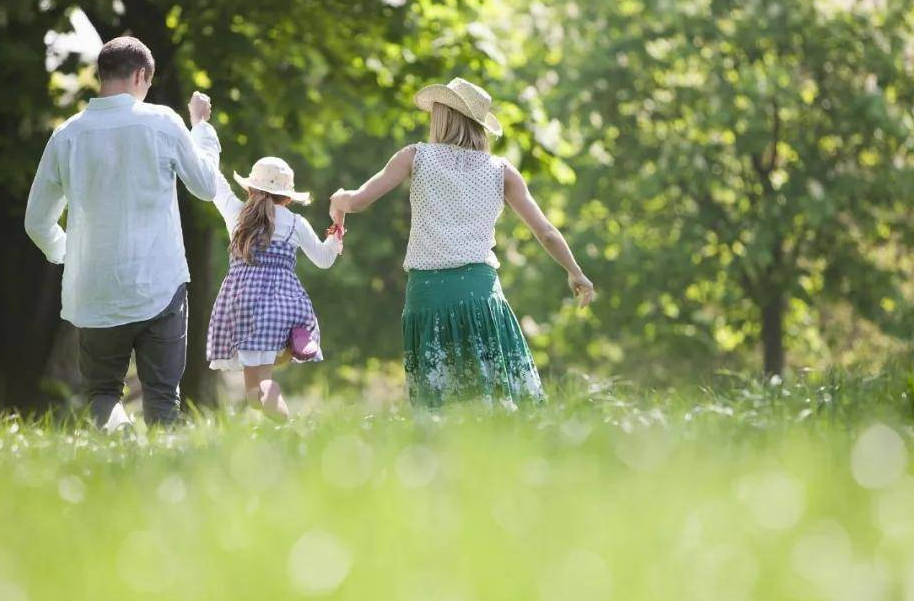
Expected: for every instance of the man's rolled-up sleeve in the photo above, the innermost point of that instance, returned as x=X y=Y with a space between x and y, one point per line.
x=197 y=159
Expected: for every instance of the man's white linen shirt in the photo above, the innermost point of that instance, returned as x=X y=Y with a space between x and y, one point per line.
x=113 y=167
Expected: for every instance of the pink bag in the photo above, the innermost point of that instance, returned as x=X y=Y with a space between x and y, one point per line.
x=301 y=344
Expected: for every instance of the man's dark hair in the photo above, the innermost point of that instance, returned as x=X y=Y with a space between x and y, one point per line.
x=120 y=57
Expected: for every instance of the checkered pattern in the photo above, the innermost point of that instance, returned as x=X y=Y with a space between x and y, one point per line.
x=258 y=305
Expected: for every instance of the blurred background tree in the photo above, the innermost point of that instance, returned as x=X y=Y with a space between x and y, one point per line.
x=742 y=167
x=29 y=285
x=754 y=159
x=733 y=175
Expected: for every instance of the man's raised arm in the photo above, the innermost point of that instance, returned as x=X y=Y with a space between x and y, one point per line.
x=197 y=160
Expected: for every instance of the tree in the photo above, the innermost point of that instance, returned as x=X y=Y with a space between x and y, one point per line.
x=743 y=162
x=30 y=298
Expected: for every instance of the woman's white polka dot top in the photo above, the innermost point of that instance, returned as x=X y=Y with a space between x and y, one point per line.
x=456 y=195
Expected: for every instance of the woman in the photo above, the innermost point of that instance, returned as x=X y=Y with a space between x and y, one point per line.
x=460 y=337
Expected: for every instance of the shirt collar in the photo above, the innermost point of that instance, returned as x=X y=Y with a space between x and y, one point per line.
x=108 y=102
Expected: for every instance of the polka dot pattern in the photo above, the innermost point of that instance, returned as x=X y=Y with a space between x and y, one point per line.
x=456 y=197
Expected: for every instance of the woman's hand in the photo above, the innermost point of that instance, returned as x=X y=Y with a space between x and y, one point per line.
x=340 y=205
x=200 y=108
x=581 y=287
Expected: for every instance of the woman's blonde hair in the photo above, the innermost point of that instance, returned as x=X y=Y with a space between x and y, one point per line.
x=256 y=223
x=453 y=127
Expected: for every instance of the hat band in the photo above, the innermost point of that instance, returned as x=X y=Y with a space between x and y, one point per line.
x=266 y=185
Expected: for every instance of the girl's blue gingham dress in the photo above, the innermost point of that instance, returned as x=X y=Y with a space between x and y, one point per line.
x=258 y=305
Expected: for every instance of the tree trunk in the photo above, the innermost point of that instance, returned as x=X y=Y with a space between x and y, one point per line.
x=773 y=334
x=29 y=318
x=29 y=285
x=199 y=383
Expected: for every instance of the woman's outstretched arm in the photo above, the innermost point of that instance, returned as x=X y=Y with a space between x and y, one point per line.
x=518 y=197
x=392 y=175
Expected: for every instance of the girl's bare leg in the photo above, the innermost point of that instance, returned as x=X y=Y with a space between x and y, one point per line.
x=262 y=392
x=253 y=376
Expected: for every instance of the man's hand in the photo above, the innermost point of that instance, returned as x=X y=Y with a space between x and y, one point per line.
x=199 y=107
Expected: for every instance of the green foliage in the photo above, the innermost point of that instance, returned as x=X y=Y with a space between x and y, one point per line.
x=732 y=156
x=745 y=490
x=29 y=286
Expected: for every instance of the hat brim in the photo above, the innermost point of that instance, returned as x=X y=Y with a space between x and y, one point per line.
x=492 y=124
x=426 y=98
x=303 y=198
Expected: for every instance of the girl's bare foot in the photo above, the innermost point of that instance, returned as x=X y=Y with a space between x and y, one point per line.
x=274 y=406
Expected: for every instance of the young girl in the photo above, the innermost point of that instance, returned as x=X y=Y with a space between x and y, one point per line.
x=261 y=298
x=460 y=337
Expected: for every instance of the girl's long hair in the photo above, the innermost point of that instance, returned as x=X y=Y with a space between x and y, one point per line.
x=256 y=223
x=453 y=127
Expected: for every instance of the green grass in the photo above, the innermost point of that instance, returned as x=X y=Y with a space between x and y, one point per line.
x=751 y=491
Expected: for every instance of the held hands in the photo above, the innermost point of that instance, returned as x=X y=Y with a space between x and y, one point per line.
x=199 y=107
x=581 y=287
x=340 y=205
x=338 y=208
x=337 y=231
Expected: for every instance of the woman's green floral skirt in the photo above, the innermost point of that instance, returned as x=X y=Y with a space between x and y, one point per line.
x=462 y=341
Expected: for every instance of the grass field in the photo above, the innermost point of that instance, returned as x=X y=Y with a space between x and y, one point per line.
x=800 y=490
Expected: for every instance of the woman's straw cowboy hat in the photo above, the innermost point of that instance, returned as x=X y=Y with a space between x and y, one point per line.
x=462 y=96
x=273 y=175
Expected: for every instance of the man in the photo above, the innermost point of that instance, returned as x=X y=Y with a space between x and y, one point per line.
x=125 y=271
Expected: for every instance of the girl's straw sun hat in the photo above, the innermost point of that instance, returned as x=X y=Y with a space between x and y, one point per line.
x=273 y=175
x=462 y=96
